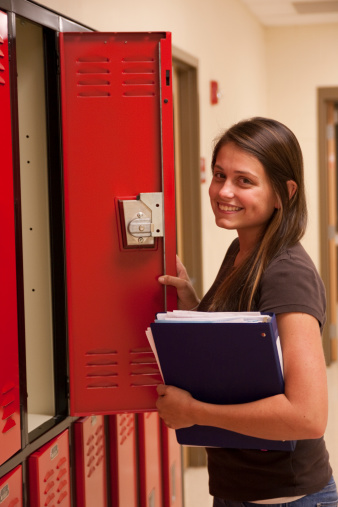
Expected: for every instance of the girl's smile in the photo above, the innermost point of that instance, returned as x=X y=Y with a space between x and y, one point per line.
x=228 y=208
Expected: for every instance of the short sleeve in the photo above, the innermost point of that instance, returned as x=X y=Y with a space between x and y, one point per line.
x=291 y=283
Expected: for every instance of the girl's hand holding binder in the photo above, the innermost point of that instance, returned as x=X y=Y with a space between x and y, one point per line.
x=173 y=406
x=186 y=296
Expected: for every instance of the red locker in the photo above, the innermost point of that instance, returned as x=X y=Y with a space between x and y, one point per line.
x=123 y=461
x=119 y=212
x=172 y=468
x=150 y=462
x=90 y=462
x=11 y=489
x=49 y=477
x=10 y=441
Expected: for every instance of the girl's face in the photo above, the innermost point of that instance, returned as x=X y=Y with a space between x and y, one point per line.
x=241 y=194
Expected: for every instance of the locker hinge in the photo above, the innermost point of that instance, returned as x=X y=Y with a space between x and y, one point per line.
x=142 y=219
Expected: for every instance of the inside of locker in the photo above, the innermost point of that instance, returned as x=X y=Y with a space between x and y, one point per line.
x=35 y=223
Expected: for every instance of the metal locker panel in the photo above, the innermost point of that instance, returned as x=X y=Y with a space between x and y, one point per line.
x=90 y=462
x=11 y=488
x=49 y=476
x=150 y=462
x=10 y=440
x=172 y=468
x=118 y=145
x=123 y=461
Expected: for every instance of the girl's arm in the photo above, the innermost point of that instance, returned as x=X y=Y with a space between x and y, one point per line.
x=299 y=413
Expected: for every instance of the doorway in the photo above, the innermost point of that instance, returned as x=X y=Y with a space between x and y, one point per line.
x=187 y=165
x=328 y=193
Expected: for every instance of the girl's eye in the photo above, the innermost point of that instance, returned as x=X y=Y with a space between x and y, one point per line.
x=219 y=175
x=246 y=181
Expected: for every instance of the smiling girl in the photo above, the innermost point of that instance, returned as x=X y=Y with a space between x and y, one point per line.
x=257 y=189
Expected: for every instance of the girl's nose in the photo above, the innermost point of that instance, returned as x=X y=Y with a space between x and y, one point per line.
x=227 y=190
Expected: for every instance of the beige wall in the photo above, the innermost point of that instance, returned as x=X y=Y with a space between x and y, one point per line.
x=300 y=60
x=260 y=71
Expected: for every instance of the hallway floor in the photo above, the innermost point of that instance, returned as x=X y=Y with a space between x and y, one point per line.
x=196 y=478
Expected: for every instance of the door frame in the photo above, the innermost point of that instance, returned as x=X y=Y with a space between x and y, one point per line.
x=188 y=156
x=325 y=95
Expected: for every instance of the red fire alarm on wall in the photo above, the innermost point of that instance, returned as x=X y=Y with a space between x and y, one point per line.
x=214 y=95
x=202 y=169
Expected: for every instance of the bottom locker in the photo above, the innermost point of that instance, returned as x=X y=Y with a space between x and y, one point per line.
x=123 y=462
x=49 y=478
x=11 y=488
x=150 y=468
x=90 y=462
x=172 y=468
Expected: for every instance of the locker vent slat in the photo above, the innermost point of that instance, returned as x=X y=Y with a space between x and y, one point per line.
x=138 y=77
x=143 y=368
x=95 y=450
x=90 y=82
x=93 y=59
x=2 y=68
x=93 y=70
x=126 y=427
x=101 y=368
x=8 y=407
x=138 y=58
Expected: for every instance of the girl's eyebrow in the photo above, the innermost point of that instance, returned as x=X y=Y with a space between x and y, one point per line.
x=246 y=173
x=237 y=171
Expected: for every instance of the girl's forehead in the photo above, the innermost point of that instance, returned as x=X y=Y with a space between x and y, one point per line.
x=230 y=157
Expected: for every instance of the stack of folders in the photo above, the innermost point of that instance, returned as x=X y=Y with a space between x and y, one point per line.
x=222 y=358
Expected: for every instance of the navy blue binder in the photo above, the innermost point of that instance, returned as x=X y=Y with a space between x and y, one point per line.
x=222 y=363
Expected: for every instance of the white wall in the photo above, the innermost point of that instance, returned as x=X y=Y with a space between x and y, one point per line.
x=260 y=71
x=301 y=59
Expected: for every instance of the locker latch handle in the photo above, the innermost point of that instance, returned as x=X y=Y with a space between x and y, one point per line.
x=143 y=219
x=141 y=226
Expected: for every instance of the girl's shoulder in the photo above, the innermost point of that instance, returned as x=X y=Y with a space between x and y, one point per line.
x=291 y=283
x=294 y=257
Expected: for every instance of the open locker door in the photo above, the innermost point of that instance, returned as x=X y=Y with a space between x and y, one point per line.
x=119 y=212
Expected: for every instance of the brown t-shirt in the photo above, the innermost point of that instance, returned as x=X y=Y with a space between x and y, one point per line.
x=290 y=283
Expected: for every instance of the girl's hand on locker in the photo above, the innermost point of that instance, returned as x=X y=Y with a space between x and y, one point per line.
x=175 y=406
x=186 y=296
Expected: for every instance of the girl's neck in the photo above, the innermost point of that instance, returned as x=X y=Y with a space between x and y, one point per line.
x=246 y=246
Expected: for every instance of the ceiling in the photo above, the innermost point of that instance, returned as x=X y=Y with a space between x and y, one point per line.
x=294 y=12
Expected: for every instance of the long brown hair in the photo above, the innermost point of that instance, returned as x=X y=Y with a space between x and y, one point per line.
x=278 y=150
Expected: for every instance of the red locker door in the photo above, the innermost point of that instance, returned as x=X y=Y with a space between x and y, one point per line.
x=118 y=187
x=150 y=460
x=11 y=488
x=90 y=462
x=49 y=473
x=10 y=441
x=123 y=461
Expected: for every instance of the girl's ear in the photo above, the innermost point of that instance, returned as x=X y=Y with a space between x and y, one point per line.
x=292 y=188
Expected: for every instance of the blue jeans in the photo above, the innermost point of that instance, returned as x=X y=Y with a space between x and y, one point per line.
x=327 y=497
